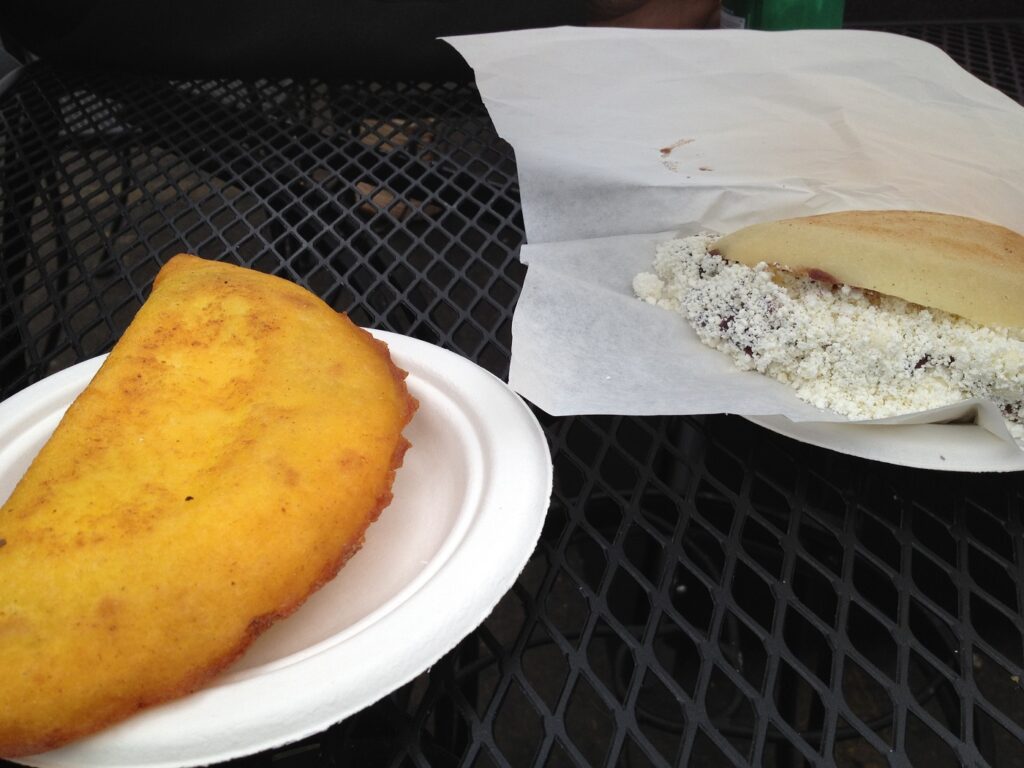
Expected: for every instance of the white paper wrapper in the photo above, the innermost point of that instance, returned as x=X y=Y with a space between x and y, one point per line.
x=627 y=137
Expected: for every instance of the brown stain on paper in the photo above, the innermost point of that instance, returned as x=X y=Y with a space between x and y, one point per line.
x=666 y=155
x=666 y=151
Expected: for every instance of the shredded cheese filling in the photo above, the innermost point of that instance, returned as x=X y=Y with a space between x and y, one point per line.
x=857 y=353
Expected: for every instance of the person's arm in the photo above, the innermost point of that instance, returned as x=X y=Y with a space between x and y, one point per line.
x=664 y=14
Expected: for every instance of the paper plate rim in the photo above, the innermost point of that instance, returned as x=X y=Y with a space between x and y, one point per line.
x=479 y=569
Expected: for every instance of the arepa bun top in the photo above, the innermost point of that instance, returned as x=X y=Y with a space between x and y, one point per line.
x=960 y=265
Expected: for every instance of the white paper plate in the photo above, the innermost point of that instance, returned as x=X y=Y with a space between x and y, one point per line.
x=468 y=507
x=953 y=447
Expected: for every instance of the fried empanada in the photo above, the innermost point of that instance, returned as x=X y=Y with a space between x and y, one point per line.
x=223 y=464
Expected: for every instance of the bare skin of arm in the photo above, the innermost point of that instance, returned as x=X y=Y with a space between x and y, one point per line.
x=654 y=14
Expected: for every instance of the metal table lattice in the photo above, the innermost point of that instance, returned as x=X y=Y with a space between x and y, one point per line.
x=704 y=592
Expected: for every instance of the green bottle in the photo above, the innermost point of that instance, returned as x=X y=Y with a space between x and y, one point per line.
x=782 y=14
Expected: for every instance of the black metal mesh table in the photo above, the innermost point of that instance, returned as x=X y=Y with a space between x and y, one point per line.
x=704 y=592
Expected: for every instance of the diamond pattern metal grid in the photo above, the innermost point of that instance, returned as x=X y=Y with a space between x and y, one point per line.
x=703 y=593
x=989 y=50
x=404 y=221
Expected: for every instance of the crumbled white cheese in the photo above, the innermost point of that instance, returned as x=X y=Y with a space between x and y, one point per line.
x=860 y=354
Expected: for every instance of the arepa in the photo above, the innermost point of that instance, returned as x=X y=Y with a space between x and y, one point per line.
x=960 y=265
